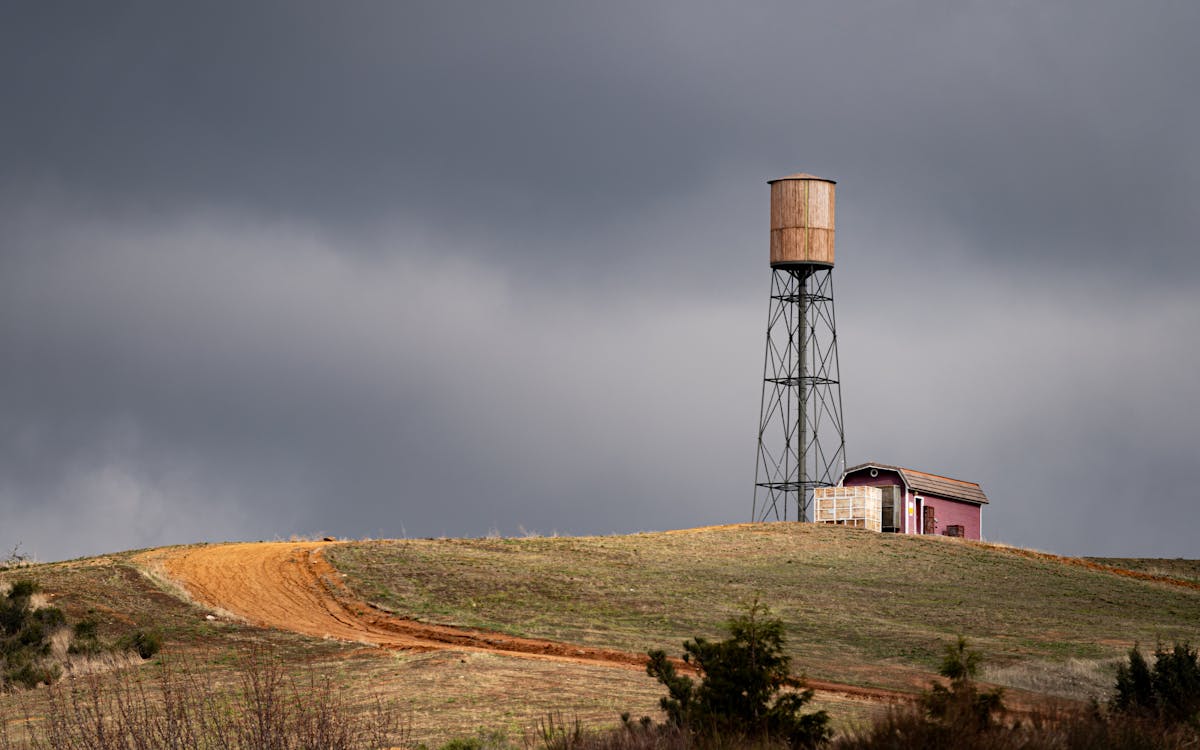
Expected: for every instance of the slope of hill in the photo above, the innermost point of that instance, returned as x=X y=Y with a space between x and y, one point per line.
x=561 y=621
x=439 y=694
x=859 y=607
x=1187 y=570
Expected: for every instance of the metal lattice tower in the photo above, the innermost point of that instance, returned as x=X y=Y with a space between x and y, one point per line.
x=801 y=438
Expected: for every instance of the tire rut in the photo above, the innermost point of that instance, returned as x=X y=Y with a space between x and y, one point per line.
x=292 y=586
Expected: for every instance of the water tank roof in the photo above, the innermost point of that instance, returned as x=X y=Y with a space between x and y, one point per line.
x=801 y=176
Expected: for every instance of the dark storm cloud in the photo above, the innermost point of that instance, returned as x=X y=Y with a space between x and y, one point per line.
x=461 y=118
x=557 y=123
x=271 y=268
x=321 y=389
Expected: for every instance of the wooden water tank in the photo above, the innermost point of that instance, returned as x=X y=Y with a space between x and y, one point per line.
x=802 y=218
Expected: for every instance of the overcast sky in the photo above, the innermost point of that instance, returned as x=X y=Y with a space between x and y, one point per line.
x=423 y=269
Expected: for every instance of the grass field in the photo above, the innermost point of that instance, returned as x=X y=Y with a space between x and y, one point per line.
x=123 y=597
x=1187 y=570
x=859 y=607
x=439 y=696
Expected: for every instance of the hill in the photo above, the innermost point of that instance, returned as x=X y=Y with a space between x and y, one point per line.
x=499 y=632
x=860 y=607
x=1188 y=570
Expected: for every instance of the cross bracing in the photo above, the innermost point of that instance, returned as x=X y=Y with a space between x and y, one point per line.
x=801 y=438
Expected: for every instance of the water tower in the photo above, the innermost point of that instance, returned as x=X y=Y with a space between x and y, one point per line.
x=801 y=440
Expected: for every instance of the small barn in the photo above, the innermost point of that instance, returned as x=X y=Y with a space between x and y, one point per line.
x=911 y=501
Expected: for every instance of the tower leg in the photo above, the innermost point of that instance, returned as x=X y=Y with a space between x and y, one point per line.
x=801 y=438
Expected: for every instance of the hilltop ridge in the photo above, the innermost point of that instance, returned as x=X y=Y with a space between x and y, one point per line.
x=521 y=627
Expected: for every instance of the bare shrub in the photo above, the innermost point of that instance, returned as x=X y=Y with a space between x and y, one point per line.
x=182 y=708
x=910 y=728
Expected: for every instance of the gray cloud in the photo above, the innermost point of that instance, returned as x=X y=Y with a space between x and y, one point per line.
x=432 y=269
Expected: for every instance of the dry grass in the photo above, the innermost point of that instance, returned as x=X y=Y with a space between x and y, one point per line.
x=454 y=694
x=123 y=598
x=446 y=695
x=39 y=600
x=79 y=665
x=60 y=641
x=1186 y=570
x=1071 y=678
x=266 y=706
x=859 y=607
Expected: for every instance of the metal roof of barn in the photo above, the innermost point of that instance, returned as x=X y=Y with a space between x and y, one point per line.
x=934 y=484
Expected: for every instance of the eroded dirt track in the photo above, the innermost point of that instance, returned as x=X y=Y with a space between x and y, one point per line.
x=291 y=586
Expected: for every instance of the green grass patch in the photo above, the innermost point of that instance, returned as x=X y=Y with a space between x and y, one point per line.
x=858 y=606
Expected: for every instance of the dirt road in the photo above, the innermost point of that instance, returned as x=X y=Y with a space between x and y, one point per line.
x=291 y=586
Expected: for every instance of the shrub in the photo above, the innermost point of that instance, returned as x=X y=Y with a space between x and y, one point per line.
x=27 y=638
x=1177 y=683
x=961 y=717
x=30 y=674
x=146 y=643
x=1170 y=691
x=86 y=638
x=15 y=559
x=1135 y=685
x=962 y=703
x=25 y=635
x=741 y=690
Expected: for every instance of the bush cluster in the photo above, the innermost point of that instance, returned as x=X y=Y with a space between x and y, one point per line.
x=1153 y=708
x=1169 y=692
x=27 y=636
x=145 y=643
x=1147 y=713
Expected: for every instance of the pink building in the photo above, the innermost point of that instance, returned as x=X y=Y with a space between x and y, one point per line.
x=916 y=502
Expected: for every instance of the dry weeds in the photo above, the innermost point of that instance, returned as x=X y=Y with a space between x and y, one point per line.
x=180 y=707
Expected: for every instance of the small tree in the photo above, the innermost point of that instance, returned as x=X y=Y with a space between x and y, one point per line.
x=742 y=684
x=1177 y=683
x=1135 y=686
x=1170 y=691
x=962 y=702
